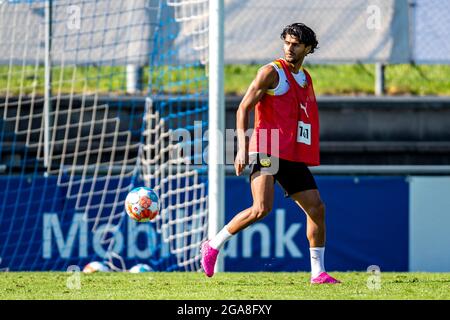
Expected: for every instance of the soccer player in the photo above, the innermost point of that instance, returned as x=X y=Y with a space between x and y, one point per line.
x=283 y=95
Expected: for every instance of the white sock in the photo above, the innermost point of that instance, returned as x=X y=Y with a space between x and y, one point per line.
x=317 y=258
x=218 y=241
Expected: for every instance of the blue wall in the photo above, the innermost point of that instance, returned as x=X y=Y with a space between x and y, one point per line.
x=367 y=224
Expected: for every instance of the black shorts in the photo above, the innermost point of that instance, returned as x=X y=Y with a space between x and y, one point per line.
x=292 y=176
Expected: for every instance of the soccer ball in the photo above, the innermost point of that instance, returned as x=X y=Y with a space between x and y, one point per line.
x=95 y=266
x=142 y=204
x=141 y=267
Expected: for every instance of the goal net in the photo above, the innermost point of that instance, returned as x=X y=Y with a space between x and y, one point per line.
x=94 y=97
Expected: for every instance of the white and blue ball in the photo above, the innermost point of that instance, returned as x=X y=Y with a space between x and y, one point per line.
x=142 y=204
x=141 y=267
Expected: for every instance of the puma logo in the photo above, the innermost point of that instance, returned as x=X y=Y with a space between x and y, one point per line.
x=304 y=109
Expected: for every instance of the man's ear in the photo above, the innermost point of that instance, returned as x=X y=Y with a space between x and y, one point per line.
x=308 y=49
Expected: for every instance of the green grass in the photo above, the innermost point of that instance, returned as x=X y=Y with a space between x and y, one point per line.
x=339 y=79
x=103 y=80
x=224 y=286
x=356 y=79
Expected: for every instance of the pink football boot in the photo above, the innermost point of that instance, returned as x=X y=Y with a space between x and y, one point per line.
x=324 y=278
x=209 y=257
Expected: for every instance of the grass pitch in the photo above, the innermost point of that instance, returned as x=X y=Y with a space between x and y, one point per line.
x=223 y=286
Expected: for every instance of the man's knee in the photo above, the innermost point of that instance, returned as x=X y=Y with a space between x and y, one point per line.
x=317 y=209
x=320 y=206
x=260 y=210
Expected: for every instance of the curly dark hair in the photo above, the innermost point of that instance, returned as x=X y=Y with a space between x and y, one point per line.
x=303 y=33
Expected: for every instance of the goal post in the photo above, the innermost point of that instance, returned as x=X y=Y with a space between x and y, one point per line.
x=216 y=163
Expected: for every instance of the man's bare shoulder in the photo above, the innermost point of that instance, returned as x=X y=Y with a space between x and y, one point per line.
x=267 y=75
x=268 y=70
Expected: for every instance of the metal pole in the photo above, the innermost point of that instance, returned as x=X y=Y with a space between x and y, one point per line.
x=216 y=170
x=48 y=80
x=379 y=79
x=134 y=78
x=411 y=29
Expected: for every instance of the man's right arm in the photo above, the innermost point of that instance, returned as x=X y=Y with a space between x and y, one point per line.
x=266 y=78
